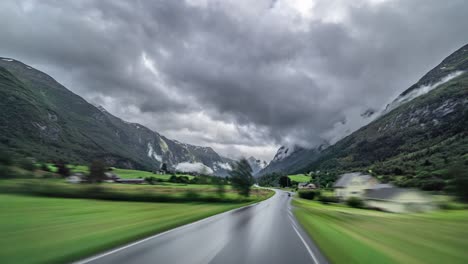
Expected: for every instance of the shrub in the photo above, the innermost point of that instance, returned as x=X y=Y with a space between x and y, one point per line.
x=446 y=206
x=183 y=179
x=44 y=167
x=191 y=195
x=173 y=179
x=48 y=175
x=310 y=195
x=355 y=202
x=433 y=184
x=328 y=199
x=150 y=180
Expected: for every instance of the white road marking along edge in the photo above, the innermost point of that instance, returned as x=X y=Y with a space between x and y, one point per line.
x=87 y=260
x=303 y=241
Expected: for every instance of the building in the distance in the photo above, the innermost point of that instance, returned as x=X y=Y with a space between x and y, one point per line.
x=385 y=197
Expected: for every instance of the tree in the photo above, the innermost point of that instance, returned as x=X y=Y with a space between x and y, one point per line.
x=97 y=171
x=220 y=189
x=460 y=183
x=164 y=167
x=241 y=177
x=284 y=181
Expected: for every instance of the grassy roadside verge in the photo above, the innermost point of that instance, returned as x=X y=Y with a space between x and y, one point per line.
x=347 y=235
x=59 y=230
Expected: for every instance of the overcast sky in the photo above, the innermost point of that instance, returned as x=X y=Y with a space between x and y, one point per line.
x=241 y=76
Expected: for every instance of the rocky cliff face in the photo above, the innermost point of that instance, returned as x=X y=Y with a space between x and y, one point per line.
x=42 y=118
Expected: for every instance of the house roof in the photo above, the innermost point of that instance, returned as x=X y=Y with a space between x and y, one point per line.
x=383 y=193
x=346 y=179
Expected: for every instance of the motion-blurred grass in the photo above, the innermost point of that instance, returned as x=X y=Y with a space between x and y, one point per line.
x=59 y=230
x=347 y=235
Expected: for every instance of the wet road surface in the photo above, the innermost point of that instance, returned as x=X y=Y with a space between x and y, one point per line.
x=262 y=233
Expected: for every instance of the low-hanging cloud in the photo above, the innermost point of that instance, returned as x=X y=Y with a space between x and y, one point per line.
x=194 y=167
x=240 y=76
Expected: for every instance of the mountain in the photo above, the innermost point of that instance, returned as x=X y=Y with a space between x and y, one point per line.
x=43 y=119
x=256 y=164
x=414 y=142
x=288 y=159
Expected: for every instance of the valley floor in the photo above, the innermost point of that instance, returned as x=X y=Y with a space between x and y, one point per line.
x=348 y=235
x=58 y=230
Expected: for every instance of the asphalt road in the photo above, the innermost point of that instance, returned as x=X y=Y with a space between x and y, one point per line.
x=262 y=233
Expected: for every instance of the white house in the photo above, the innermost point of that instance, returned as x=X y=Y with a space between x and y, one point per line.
x=353 y=185
x=76 y=178
x=385 y=197
x=398 y=200
x=306 y=185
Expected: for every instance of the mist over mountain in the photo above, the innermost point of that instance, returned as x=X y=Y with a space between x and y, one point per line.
x=411 y=142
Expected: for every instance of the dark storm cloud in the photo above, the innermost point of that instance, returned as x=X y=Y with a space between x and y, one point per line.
x=235 y=74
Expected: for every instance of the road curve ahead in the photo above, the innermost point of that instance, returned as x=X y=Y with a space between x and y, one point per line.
x=261 y=233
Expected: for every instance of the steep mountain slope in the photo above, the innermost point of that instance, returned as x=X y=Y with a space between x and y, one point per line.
x=41 y=118
x=256 y=164
x=414 y=142
x=420 y=139
x=289 y=159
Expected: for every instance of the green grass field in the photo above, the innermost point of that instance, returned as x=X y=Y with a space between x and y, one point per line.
x=122 y=173
x=347 y=235
x=129 y=174
x=58 y=230
x=299 y=178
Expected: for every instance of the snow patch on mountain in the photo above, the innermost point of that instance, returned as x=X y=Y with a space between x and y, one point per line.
x=194 y=167
x=153 y=154
x=256 y=164
x=163 y=145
